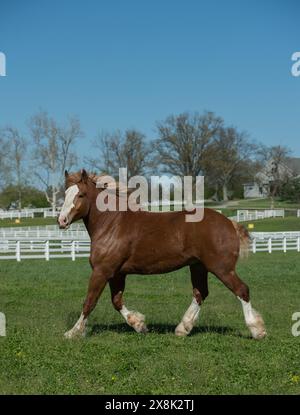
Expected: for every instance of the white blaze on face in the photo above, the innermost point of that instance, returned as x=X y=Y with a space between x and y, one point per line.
x=70 y=195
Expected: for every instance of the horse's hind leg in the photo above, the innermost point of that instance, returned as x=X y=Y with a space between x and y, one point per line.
x=133 y=318
x=253 y=319
x=200 y=292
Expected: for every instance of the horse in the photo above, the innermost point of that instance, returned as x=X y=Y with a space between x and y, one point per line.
x=142 y=242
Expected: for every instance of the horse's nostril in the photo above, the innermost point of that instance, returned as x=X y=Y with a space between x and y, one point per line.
x=63 y=221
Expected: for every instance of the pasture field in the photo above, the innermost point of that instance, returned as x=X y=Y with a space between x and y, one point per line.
x=42 y=300
x=290 y=223
x=264 y=204
x=4 y=223
x=289 y=220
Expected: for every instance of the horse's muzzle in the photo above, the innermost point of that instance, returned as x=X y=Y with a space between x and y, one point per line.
x=63 y=222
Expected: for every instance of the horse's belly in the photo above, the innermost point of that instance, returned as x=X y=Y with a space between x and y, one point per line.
x=159 y=266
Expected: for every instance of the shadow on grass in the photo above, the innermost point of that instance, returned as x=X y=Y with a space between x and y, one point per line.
x=164 y=329
x=153 y=328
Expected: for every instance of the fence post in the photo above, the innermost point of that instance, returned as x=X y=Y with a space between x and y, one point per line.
x=18 y=251
x=270 y=245
x=73 y=251
x=284 y=244
x=254 y=246
x=47 y=252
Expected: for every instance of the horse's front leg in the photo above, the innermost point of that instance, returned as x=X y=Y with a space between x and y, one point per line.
x=97 y=284
x=133 y=318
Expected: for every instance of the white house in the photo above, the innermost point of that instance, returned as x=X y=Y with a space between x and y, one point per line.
x=263 y=179
x=254 y=190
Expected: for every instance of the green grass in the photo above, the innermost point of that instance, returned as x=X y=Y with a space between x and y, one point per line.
x=27 y=222
x=227 y=212
x=42 y=300
x=275 y=224
x=265 y=204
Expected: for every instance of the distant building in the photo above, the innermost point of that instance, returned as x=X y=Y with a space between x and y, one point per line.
x=261 y=185
x=254 y=190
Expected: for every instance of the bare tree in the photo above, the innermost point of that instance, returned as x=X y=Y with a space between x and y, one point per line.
x=184 y=141
x=16 y=145
x=115 y=150
x=228 y=158
x=5 y=166
x=54 y=151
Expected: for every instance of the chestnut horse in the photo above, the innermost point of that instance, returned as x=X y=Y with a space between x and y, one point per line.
x=127 y=242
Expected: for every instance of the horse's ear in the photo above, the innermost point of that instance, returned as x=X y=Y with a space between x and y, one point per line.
x=66 y=174
x=84 y=176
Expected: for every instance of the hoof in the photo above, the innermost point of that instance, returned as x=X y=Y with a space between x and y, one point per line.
x=141 y=328
x=257 y=333
x=137 y=321
x=74 y=334
x=257 y=328
x=182 y=330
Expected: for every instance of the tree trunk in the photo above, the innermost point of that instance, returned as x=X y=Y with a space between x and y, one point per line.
x=216 y=194
x=54 y=201
x=225 y=193
x=20 y=198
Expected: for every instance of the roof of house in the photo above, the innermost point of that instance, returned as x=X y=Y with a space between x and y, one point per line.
x=292 y=166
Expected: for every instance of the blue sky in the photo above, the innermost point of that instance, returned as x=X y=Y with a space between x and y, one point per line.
x=122 y=64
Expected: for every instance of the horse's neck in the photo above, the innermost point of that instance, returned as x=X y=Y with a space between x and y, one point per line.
x=95 y=218
x=91 y=217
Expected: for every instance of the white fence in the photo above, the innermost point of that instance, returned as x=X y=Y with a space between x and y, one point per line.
x=50 y=249
x=28 y=213
x=43 y=234
x=15 y=214
x=275 y=241
x=275 y=244
x=43 y=249
x=276 y=235
x=246 y=215
x=50 y=232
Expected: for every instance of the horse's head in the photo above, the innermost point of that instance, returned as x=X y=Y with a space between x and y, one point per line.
x=76 y=204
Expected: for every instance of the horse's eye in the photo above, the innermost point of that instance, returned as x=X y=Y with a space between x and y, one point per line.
x=81 y=195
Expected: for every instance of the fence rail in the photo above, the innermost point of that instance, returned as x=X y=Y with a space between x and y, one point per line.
x=246 y=215
x=49 y=249
x=276 y=235
x=44 y=234
x=76 y=231
x=28 y=213
x=275 y=244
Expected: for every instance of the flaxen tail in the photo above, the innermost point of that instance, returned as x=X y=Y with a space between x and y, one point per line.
x=244 y=237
